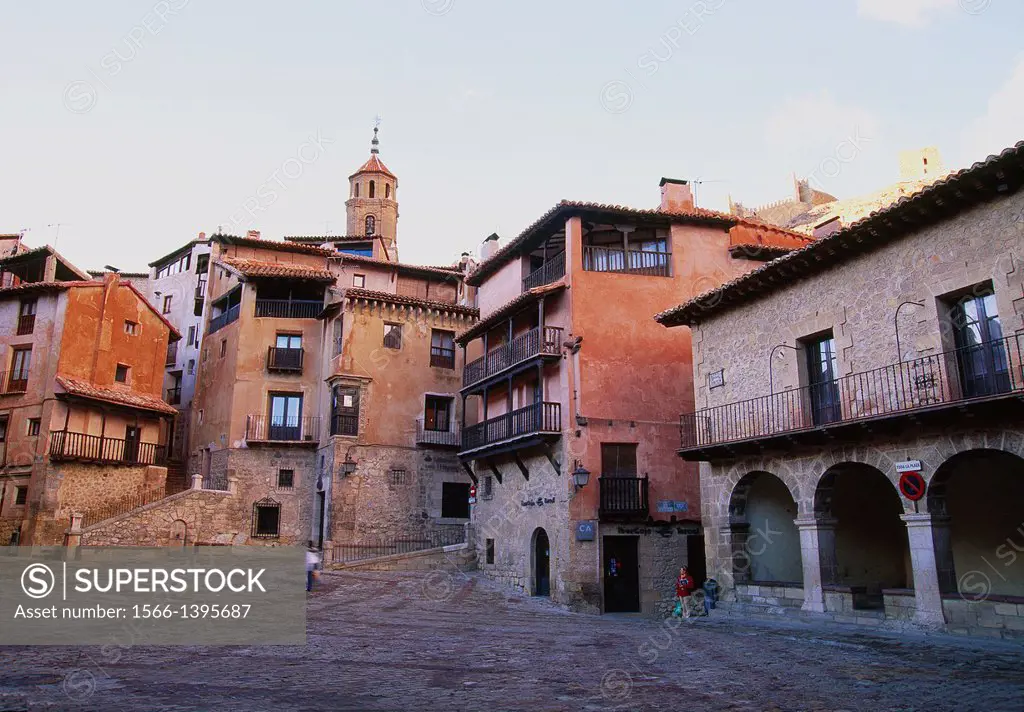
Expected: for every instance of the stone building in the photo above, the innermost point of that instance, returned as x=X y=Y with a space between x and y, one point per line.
x=823 y=378
x=82 y=422
x=566 y=375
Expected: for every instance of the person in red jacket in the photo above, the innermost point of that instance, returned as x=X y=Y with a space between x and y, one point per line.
x=684 y=587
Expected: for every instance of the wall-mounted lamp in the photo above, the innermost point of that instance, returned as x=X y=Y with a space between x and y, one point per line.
x=580 y=476
x=349 y=465
x=771 y=375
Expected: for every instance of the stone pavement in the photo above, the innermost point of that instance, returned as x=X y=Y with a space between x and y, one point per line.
x=383 y=641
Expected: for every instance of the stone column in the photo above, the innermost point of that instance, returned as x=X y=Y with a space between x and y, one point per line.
x=736 y=535
x=927 y=592
x=233 y=483
x=818 y=555
x=75 y=532
x=197 y=481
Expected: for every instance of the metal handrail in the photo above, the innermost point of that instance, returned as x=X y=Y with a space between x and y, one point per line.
x=284 y=359
x=550 y=271
x=534 y=418
x=539 y=340
x=289 y=308
x=287 y=429
x=656 y=263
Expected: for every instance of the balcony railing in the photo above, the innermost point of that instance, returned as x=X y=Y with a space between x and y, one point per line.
x=67 y=445
x=280 y=359
x=654 y=263
x=172 y=353
x=981 y=371
x=13 y=381
x=538 y=341
x=201 y=289
x=533 y=419
x=174 y=396
x=344 y=424
x=446 y=437
x=442 y=357
x=624 y=496
x=26 y=324
x=295 y=429
x=289 y=308
x=553 y=269
x=219 y=322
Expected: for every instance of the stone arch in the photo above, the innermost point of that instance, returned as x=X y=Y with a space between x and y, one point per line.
x=180 y=533
x=863 y=543
x=976 y=499
x=540 y=563
x=763 y=536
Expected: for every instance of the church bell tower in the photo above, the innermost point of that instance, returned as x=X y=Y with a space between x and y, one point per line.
x=372 y=205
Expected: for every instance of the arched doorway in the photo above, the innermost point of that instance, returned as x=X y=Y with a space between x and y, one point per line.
x=764 y=537
x=976 y=499
x=541 y=563
x=869 y=551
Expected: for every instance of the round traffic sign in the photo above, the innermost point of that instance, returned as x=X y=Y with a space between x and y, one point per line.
x=912 y=485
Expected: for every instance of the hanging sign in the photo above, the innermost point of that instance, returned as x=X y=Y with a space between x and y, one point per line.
x=908 y=466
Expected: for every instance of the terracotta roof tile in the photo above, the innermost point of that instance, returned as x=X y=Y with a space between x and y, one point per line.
x=289 y=270
x=131 y=399
x=372 y=295
x=445 y=272
x=270 y=245
x=508 y=309
x=26 y=287
x=374 y=165
x=997 y=175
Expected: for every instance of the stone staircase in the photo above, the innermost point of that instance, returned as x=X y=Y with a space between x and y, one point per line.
x=177 y=480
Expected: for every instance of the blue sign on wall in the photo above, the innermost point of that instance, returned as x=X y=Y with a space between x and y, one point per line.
x=586 y=530
x=668 y=506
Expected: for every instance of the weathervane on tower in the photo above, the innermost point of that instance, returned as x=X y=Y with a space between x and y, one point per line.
x=376 y=127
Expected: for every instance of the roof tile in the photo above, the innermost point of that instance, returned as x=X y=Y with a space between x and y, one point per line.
x=131 y=399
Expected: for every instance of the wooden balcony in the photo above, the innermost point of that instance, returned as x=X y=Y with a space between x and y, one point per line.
x=345 y=424
x=550 y=271
x=539 y=341
x=447 y=438
x=651 y=263
x=289 y=308
x=260 y=428
x=441 y=357
x=221 y=320
x=284 y=360
x=13 y=381
x=625 y=497
x=66 y=445
x=986 y=376
x=510 y=430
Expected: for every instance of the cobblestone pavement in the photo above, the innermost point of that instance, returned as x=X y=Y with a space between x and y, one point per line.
x=381 y=641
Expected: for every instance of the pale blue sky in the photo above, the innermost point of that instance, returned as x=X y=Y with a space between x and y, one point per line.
x=493 y=111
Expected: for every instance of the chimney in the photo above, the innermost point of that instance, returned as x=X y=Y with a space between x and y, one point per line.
x=253 y=234
x=202 y=236
x=490 y=246
x=676 y=196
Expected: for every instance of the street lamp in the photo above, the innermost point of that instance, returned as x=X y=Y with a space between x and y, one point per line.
x=349 y=465
x=580 y=476
x=771 y=375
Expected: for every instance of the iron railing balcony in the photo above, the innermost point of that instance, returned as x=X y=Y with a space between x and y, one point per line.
x=174 y=396
x=984 y=371
x=13 y=381
x=68 y=445
x=26 y=324
x=221 y=320
x=624 y=496
x=538 y=341
x=652 y=263
x=260 y=428
x=441 y=435
x=286 y=360
x=289 y=308
x=441 y=357
x=550 y=271
x=345 y=424
x=534 y=419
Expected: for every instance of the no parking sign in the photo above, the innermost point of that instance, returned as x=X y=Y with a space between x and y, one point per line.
x=912 y=485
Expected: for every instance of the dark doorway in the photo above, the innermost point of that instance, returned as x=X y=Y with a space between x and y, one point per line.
x=541 y=564
x=321 y=506
x=821 y=377
x=455 y=500
x=695 y=561
x=621 y=574
x=131 y=443
x=981 y=356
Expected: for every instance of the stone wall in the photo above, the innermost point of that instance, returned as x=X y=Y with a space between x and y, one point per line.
x=186 y=518
x=255 y=472
x=458 y=557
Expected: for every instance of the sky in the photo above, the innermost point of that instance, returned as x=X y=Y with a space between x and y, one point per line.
x=128 y=127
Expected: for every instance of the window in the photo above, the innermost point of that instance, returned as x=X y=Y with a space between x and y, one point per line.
x=223 y=347
x=20 y=495
x=167 y=304
x=289 y=341
x=360 y=249
x=373 y=189
x=442 y=348
x=455 y=500
x=26 y=316
x=191 y=367
x=387 y=191
x=437 y=413
x=821 y=377
x=357 y=190
x=618 y=460
x=200 y=416
x=3 y=429
x=345 y=411
x=191 y=336
x=202 y=264
x=393 y=336
x=488 y=488
x=285 y=479
x=266 y=519
x=398 y=478
x=490 y=551
x=21 y=362
x=32 y=428
x=339 y=335
x=978 y=336
x=179 y=265
x=359 y=280
x=131 y=328
x=198 y=309
x=121 y=373
x=371 y=223
x=285 y=416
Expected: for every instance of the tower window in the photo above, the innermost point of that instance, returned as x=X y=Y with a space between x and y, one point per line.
x=387 y=190
x=371 y=225
x=373 y=189
x=357 y=190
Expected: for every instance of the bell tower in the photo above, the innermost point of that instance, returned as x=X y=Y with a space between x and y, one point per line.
x=372 y=205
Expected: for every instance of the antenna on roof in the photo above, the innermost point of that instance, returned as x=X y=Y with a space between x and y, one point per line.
x=698 y=181
x=56 y=239
x=375 y=144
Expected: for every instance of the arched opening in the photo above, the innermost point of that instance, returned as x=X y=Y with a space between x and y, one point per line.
x=179 y=533
x=765 y=539
x=371 y=225
x=869 y=551
x=356 y=188
x=541 y=563
x=387 y=190
x=976 y=499
x=373 y=189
